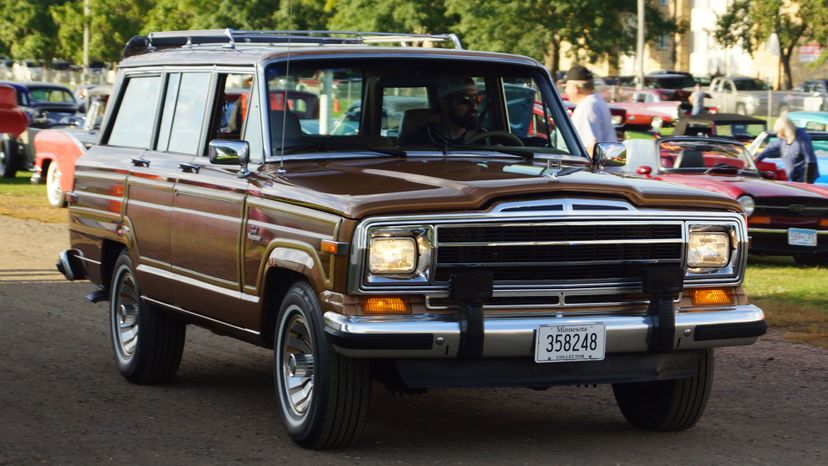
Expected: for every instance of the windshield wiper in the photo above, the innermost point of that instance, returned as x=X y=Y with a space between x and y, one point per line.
x=518 y=151
x=322 y=147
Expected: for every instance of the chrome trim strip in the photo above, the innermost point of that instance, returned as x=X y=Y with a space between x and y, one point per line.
x=562 y=243
x=148 y=183
x=782 y=231
x=93 y=261
x=293 y=231
x=98 y=176
x=201 y=316
x=528 y=264
x=102 y=196
x=515 y=336
x=197 y=283
x=208 y=193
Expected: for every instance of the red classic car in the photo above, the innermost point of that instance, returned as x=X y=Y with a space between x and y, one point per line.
x=58 y=148
x=13 y=123
x=784 y=218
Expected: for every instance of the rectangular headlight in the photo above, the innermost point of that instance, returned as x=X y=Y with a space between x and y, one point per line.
x=707 y=249
x=389 y=255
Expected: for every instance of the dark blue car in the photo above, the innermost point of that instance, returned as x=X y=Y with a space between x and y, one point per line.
x=45 y=105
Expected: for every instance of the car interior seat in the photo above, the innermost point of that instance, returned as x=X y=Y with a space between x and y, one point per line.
x=688 y=158
x=292 y=128
x=413 y=120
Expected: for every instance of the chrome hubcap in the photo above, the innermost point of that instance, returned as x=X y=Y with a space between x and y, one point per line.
x=297 y=365
x=53 y=183
x=125 y=317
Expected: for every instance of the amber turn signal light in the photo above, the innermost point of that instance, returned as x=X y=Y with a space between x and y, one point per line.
x=759 y=220
x=711 y=296
x=385 y=305
x=823 y=222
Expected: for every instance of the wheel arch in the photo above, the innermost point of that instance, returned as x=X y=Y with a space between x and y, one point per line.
x=275 y=285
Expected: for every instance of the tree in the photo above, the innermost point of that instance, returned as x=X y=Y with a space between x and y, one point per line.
x=111 y=24
x=540 y=28
x=27 y=29
x=749 y=24
x=408 y=16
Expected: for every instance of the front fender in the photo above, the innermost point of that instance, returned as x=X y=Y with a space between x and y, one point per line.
x=297 y=257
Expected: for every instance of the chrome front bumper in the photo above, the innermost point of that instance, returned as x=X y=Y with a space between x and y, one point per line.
x=438 y=336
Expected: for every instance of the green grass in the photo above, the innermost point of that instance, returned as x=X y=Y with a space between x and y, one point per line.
x=19 y=198
x=794 y=298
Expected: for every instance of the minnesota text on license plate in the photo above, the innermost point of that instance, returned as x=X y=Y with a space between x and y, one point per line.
x=576 y=342
x=802 y=237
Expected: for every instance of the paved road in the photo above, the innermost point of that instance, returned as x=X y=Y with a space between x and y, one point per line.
x=63 y=402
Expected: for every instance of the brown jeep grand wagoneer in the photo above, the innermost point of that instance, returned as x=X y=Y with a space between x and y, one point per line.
x=421 y=216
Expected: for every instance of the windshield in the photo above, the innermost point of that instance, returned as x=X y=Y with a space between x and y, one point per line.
x=49 y=95
x=678 y=155
x=415 y=104
x=750 y=85
x=669 y=82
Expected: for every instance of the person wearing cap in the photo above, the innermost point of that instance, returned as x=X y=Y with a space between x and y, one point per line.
x=592 y=118
x=458 y=118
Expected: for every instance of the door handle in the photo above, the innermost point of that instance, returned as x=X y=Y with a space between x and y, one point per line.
x=189 y=167
x=139 y=162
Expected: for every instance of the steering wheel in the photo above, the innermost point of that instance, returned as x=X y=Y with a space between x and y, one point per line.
x=722 y=167
x=497 y=134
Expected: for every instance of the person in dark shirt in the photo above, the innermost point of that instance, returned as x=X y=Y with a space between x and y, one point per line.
x=458 y=117
x=797 y=152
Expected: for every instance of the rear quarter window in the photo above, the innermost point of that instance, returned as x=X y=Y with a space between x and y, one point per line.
x=136 y=114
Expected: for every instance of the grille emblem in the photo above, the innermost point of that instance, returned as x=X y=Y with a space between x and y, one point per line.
x=797 y=208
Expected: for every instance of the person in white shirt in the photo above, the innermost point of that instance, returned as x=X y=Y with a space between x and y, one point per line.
x=592 y=118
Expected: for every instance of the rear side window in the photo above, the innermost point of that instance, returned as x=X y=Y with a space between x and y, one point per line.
x=136 y=114
x=184 y=106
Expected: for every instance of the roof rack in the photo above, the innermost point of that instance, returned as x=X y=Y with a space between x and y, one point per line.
x=230 y=38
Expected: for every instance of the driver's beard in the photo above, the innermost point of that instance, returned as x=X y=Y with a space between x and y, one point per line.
x=467 y=120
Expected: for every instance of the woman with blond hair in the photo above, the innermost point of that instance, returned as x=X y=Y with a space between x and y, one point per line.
x=795 y=148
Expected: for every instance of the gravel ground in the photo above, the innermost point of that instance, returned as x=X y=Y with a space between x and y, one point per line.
x=63 y=402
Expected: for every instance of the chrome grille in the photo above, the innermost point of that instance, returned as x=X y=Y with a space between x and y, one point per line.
x=791 y=207
x=558 y=252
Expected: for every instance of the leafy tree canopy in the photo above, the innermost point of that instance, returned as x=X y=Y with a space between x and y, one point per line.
x=750 y=23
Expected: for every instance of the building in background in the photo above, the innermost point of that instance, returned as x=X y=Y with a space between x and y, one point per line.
x=696 y=50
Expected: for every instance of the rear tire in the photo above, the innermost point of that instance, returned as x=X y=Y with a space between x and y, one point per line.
x=667 y=405
x=741 y=110
x=147 y=342
x=8 y=156
x=323 y=396
x=54 y=192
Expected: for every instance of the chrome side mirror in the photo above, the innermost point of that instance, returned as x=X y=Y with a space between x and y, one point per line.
x=609 y=154
x=230 y=152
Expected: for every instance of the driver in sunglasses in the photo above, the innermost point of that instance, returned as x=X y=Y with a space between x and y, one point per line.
x=458 y=117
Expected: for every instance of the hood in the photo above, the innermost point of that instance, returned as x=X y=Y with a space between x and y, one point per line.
x=357 y=188
x=735 y=186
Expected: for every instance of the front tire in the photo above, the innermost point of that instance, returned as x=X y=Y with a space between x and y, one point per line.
x=8 y=157
x=147 y=343
x=323 y=396
x=741 y=110
x=54 y=192
x=816 y=259
x=667 y=405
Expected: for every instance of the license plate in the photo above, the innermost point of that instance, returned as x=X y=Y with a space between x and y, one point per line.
x=568 y=343
x=802 y=237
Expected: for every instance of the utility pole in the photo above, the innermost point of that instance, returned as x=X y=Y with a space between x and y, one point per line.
x=85 y=40
x=639 y=47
